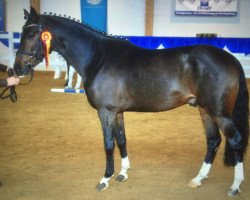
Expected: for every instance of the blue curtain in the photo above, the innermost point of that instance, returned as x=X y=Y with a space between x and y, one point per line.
x=235 y=45
x=2 y=14
x=94 y=13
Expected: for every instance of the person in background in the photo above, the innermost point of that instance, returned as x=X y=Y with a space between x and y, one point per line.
x=9 y=81
x=70 y=76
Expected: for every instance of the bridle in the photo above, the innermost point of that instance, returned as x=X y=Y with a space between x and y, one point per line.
x=37 y=52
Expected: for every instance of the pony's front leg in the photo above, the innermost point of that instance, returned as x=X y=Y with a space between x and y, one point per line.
x=107 y=119
x=121 y=142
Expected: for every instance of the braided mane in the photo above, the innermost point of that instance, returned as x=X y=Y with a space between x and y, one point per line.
x=80 y=25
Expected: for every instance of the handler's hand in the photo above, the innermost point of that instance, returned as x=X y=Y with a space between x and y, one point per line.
x=13 y=81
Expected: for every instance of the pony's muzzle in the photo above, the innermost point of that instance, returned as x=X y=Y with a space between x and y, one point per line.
x=17 y=69
x=20 y=67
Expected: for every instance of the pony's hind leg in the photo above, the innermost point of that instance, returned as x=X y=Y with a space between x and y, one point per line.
x=121 y=142
x=213 y=142
x=233 y=152
x=238 y=178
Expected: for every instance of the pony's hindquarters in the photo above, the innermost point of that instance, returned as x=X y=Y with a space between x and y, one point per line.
x=222 y=93
x=236 y=130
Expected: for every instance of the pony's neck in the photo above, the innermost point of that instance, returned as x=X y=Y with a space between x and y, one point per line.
x=77 y=43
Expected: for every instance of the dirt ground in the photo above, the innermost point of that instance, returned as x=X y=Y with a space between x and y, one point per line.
x=51 y=148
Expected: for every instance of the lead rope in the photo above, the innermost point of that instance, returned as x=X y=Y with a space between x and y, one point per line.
x=12 y=95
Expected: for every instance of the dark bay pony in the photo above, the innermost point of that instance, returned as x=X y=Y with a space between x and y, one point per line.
x=119 y=76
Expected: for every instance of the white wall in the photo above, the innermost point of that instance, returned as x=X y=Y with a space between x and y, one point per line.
x=14 y=11
x=14 y=14
x=64 y=7
x=126 y=17
x=166 y=23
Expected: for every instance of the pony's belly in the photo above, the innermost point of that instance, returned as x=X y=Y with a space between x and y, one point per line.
x=158 y=103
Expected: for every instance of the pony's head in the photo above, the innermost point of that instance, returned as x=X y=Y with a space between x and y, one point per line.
x=31 y=51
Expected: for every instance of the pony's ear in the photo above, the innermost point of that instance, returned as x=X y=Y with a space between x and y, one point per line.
x=33 y=14
x=26 y=14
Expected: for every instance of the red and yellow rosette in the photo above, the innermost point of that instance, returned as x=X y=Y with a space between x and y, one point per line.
x=46 y=39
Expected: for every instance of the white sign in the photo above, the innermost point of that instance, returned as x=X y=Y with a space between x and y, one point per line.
x=206 y=7
x=94 y=2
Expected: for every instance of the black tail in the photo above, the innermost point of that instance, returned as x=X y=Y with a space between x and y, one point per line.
x=240 y=119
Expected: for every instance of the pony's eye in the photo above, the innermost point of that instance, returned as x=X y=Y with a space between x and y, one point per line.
x=30 y=35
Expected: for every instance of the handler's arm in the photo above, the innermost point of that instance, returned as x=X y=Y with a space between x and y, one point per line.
x=3 y=68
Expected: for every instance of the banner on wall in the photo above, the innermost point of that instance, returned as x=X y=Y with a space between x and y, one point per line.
x=2 y=8
x=94 y=13
x=206 y=7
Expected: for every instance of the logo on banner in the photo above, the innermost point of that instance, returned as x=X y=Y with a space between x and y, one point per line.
x=204 y=5
x=94 y=2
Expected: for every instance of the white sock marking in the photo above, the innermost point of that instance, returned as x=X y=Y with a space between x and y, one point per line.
x=125 y=166
x=105 y=180
x=238 y=176
x=203 y=173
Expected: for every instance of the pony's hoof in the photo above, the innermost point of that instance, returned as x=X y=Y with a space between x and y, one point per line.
x=233 y=193
x=121 y=178
x=193 y=185
x=102 y=187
